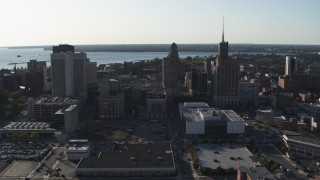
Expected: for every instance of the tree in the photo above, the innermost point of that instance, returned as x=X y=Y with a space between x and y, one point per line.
x=33 y=136
x=14 y=104
x=219 y=170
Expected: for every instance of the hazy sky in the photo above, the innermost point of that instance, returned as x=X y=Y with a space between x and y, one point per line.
x=48 y=22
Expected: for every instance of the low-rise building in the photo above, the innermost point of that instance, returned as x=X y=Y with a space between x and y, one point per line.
x=312 y=109
x=44 y=107
x=139 y=160
x=254 y=173
x=287 y=124
x=202 y=120
x=41 y=128
x=282 y=100
x=306 y=97
x=300 y=145
x=70 y=118
x=183 y=107
x=235 y=124
x=77 y=149
x=264 y=115
x=156 y=106
x=285 y=83
x=112 y=107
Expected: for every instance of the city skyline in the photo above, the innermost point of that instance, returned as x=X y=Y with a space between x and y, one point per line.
x=38 y=22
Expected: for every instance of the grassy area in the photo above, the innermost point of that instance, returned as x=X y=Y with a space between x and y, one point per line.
x=271 y=165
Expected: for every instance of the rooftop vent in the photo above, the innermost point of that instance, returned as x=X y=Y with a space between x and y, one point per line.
x=160 y=158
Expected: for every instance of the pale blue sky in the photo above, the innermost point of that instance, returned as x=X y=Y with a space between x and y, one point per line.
x=47 y=22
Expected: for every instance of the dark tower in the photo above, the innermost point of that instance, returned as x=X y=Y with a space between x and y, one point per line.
x=223 y=46
x=225 y=77
x=173 y=71
x=62 y=48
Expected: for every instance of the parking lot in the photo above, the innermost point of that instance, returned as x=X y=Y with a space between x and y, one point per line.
x=23 y=151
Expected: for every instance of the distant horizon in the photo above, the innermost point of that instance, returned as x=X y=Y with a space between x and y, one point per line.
x=115 y=44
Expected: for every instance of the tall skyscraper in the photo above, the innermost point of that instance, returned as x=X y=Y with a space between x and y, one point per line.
x=291 y=65
x=173 y=71
x=69 y=72
x=225 y=77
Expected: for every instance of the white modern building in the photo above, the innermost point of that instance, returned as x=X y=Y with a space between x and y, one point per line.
x=194 y=122
x=291 y=65
x=200 y=119
x=299 y=145
x=190 y=105
x=235 y=124
x=70 y=117
x=77 y=149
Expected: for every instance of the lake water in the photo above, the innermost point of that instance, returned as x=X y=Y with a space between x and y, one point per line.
x=10 y=56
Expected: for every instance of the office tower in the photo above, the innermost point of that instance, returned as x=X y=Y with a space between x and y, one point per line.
x=197 y=82
x=248 y=93
x=225 y=71
x=111 y=100
x=92 y=80
x=39 y=66
x=63 y=48
x=291 y=65
x=173 y=71
x=69 y=72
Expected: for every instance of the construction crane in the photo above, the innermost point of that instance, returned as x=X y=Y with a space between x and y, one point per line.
x=15 y=66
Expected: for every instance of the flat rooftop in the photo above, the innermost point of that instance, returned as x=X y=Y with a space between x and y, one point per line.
x=195 y=105
x=27 y=126
x=192 y=115
x=312 y=107
x=55 y=100
x=231 y=115
x=78 y=141
x=132 y=156
x=296 y=137
x=226 y=156
x=209 y=111
x=201 y=114
x=77 y=148
x=265 y=111
x=257 y=173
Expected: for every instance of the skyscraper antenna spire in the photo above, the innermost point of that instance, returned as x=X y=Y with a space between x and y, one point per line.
x=222 y=29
